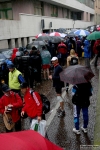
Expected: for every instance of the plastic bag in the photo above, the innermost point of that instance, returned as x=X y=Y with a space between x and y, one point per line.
x=40 y=127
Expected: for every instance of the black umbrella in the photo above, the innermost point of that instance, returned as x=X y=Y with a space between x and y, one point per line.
x=43 y=38
x=55 y=39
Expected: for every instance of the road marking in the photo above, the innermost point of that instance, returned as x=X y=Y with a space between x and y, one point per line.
x=53 y=111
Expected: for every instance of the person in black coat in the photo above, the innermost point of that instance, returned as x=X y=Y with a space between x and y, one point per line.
x=58 y=84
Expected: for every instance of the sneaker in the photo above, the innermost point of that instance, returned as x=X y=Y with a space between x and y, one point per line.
x=76 y=131
x=84 y=129
x=61 y=114
x=59 y=110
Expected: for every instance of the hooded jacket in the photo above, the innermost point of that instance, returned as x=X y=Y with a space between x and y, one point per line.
x=97 y=42
x=13 y=99
x=33 y=104
x=87 y=49
x=14 y=54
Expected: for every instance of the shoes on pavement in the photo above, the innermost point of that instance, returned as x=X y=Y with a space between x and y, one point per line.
x=76 y=131
x=61 y=114
x=84 y=129
x=67 y=88
x=59 y=110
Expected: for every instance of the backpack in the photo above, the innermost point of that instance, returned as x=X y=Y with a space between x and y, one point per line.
x=74 y=61
x=45 y=102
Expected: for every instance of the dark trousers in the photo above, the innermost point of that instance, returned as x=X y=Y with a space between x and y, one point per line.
x=17 y=126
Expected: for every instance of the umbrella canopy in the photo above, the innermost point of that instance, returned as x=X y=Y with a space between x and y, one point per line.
x=63 y=35
x=40 y=34
x=94 y=36
x=25 y=140
x=56 y=39
x=61 y=30
x=82 y=32
x=71 y=34
x=98 y=28
x=76 y=74
x=55 y=34
x=42 y=38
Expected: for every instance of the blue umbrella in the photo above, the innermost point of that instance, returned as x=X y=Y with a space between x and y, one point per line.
x=82 y=32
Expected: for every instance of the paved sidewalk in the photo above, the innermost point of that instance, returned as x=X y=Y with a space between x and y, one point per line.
x=60 y=130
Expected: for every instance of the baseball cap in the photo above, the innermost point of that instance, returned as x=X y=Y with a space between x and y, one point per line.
x=54 y=58
x=10 y=65
x=5 y=88
x=24 y=85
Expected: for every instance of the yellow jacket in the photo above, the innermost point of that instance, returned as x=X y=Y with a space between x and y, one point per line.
x=13 y=79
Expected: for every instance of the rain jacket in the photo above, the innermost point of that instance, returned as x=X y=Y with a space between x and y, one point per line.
x=97 y=42
x=62 y=48
x=87 y=49
x=14 y=54
x=46 y=57
x=13 y=79
x=33 y=104
x=81 y=93
x=13 y=99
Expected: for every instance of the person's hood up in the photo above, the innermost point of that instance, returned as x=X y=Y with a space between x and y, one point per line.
x=86 y=42
x=15 y=50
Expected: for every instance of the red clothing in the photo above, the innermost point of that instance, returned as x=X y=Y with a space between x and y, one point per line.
x=33 y=104
x=45 y=66
x=13 y=99
x=97 y=42
x=62 y=48
x=14 y=54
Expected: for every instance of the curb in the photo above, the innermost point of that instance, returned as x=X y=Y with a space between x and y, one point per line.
x=51 y=117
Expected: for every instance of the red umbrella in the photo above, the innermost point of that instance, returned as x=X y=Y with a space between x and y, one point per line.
x=40 y=34
x=25 y=140
x=98 y=28
x=55 y=34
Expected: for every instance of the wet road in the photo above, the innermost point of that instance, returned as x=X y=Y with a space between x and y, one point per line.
x=60 y=129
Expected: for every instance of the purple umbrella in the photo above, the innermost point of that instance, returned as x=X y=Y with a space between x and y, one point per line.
x=76 y=74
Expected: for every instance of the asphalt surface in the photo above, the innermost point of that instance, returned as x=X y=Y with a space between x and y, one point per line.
x=59 y=130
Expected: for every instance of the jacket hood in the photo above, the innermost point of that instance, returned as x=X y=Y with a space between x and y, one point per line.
x=86 y=42
x=15 y=50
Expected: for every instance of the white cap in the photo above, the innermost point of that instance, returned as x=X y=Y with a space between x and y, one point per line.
x=54 y=58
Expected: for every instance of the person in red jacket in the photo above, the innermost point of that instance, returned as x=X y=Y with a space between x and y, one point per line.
x=96 y=50
x=14 y=54
x=12 y=101
x=62 y=53
x=33 y=103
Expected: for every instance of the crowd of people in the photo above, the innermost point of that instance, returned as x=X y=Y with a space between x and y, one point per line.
x=23 y=70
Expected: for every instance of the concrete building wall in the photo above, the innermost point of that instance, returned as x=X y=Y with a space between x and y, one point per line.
x=72 y=4
x=30 y=25
x=97 y=11
x=22 y=6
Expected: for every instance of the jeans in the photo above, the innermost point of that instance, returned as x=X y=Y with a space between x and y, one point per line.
x=77 y=110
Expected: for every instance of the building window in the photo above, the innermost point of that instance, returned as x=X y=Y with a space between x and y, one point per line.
x=76 y=15
x=67 y=13
x=38 y=7
x=63 y=12
x=54 y=11
x=6 y=10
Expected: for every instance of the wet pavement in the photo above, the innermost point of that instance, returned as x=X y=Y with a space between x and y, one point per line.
x=60 y=129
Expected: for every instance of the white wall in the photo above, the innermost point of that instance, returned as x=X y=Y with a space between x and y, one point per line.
x=30 y=25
